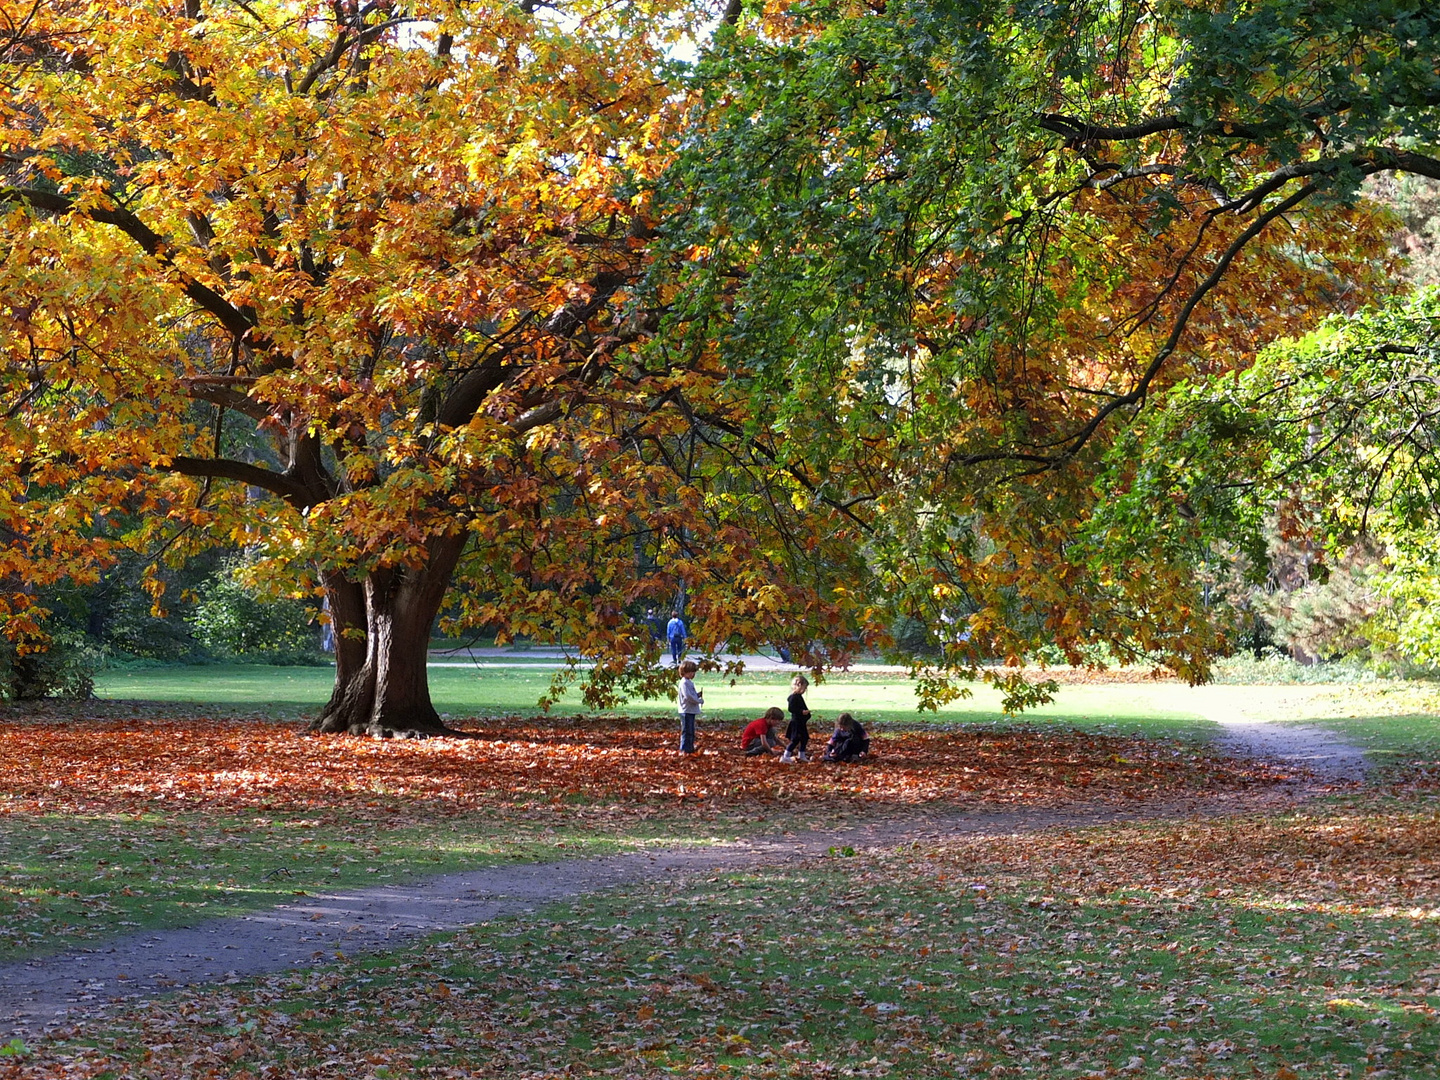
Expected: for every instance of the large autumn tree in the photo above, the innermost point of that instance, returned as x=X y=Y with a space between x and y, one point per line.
x=846 y=325
x=981 y=240
x=342 y=283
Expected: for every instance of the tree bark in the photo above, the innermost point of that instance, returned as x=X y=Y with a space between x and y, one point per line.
x=381 y=684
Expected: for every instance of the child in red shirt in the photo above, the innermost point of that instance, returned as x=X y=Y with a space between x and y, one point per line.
x=759 y=735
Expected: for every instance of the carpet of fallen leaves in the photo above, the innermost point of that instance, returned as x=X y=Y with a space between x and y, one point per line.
x=1297 y=946
x=1416 y=775
x=119 y=765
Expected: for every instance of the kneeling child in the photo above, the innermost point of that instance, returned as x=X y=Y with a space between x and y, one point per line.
x=759 y=735
x=848 y=741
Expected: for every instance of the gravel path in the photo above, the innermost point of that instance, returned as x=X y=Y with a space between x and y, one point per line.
x=41 y=994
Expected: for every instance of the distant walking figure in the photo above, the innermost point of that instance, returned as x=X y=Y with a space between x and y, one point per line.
x=327 y=627
x=675 y=632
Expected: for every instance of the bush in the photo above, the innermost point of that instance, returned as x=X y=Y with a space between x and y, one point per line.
x=1272 y=667
x=125 y=623
x=231 y=621
x=65 y=669
x=1408 y=632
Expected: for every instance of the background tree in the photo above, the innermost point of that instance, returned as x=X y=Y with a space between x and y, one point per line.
x=1338 y=429
x=978 y=241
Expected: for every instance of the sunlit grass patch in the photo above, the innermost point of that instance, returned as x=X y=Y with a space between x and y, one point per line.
x=1157 y=708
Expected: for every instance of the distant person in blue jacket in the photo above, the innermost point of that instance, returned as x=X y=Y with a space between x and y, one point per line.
x=675 y=632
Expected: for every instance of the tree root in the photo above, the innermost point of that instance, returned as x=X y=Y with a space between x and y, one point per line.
x=335 y=724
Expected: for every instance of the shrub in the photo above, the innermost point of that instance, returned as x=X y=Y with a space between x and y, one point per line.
x=1409 y=629
x=1273 y=667
x=66 y=668
x=232 y=621
x=128 y=627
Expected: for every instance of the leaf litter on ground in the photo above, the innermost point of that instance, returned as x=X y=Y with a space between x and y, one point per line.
x=113 y=765
x=1299 y=944
x=124 y=821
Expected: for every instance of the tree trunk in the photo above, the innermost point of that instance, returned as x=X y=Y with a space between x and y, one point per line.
x=381 y=683
x=354 y=692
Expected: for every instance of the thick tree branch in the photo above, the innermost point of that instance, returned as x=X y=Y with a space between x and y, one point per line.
x=469 y=393
x=219 y=390
x=324 y=62
x=151 y=242
x=1075 y=129
x=292 y=491
x=1072 y=444
x=1386 y=160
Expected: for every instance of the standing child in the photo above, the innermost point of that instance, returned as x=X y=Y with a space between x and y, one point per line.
x=759 y=735
x=848 y=741
x=797 y=732
x=688 y=701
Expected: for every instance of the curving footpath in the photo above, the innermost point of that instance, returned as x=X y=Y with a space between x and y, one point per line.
x=1327 y=755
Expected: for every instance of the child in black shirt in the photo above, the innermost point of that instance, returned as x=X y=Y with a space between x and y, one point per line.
x=797 y=732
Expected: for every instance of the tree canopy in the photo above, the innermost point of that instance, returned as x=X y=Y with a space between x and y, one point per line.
x=980 y=241
x=344 y=285
x=852 y=318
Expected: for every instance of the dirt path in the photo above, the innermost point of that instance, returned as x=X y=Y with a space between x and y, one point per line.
x=42 y=994
x=1249 y=733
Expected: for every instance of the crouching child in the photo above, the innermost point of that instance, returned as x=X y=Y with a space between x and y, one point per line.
x=848 y=741
x=759 y=735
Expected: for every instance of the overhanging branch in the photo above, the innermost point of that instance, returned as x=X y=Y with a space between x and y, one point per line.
x=151 y=242
x=1072 y=444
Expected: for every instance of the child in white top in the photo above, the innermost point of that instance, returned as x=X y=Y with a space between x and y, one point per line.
x=688 y=702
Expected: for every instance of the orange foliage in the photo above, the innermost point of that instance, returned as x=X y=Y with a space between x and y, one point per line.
x=119 y=766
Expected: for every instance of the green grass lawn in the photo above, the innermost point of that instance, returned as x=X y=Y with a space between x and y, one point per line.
x=1162 y=709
